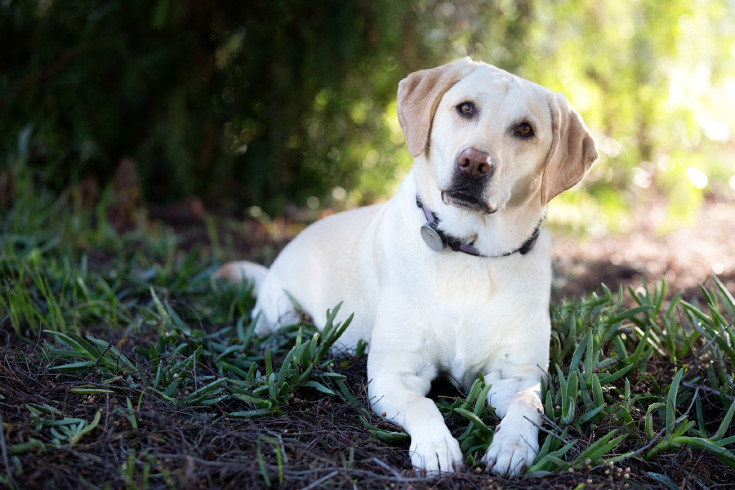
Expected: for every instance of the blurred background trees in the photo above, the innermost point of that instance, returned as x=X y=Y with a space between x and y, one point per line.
x=281 y=102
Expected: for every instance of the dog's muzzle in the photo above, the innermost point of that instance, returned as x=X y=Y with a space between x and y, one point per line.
x=473 y=171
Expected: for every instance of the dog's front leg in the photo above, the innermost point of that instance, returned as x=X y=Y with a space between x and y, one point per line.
x=399 y=381
x=515 y=442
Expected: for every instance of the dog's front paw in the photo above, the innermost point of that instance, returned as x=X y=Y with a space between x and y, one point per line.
x=436 y=452
x=512 y=451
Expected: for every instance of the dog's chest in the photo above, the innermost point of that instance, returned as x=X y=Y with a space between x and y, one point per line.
x=471 y=283
x=463 y=365
x=460 y=282
x=478 y=341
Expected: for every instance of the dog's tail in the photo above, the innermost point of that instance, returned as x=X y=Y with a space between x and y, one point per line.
x=241 y=270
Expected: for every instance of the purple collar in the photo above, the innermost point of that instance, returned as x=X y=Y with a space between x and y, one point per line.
x=437 y=240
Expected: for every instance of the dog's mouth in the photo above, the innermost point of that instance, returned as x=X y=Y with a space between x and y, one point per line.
x=466 y=199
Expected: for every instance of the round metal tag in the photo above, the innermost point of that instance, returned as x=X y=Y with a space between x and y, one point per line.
x=433 y=237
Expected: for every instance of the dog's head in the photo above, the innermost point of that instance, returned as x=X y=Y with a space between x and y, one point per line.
x=491 y=139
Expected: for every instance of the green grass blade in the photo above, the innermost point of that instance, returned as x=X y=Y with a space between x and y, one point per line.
x=671 y=398
x=725 y=424
x=74 y=367
x=722 y=453
x=475 y=420
x=86 y=429
x=319 y=387
x=601 y=447
x=580 y=350
x=583 y=419
x=208 y=390
x=553 y=461
x=663 y=479
x=629 y=314
x=607 y=379
x=389 y=436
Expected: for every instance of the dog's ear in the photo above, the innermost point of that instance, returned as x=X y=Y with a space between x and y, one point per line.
x=419 y=94
x=573 y=150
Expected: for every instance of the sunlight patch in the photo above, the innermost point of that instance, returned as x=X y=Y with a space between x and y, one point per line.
x=697 y=177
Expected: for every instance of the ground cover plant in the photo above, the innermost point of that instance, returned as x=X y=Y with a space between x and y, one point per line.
x=126 y=366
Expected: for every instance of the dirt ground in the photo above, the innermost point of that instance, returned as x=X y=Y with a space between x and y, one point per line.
x=686 y=257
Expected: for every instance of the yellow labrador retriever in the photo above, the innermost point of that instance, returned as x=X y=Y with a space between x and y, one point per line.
x=452 y=275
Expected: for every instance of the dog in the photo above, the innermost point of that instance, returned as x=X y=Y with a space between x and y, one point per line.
x=452 y=275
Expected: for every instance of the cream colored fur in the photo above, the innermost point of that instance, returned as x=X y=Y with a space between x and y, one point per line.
x=427 y=313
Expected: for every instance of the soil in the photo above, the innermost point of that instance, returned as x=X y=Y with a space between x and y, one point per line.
x=686 y=257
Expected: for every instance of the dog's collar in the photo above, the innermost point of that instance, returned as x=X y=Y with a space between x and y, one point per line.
x=437 y=240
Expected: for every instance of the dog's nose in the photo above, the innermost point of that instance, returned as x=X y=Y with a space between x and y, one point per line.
x=475 y=163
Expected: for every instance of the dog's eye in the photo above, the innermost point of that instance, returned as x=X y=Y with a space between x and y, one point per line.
x=524 y=130
x=466 y=108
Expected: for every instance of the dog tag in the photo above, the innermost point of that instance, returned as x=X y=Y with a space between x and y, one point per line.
x=434 y=238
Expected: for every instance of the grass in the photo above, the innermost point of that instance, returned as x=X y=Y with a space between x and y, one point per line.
x=128 y=366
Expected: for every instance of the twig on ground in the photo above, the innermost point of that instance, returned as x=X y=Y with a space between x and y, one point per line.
x=707 y=389
x=714 y=338
x=109 y=346
x=321 y=480
x=386 y=466
x=552 y=424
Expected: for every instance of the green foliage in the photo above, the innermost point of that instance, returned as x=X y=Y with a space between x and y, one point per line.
x=211 y=100
x=216 y=101
x=603 y=381
x=191 y=368
x=66 y=431
x=476 y=438
x=49 y=285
